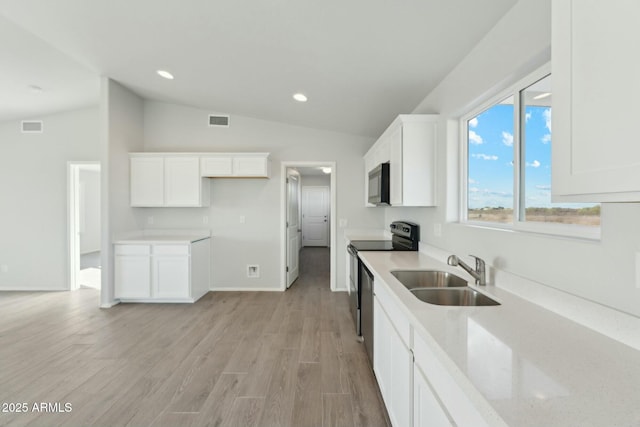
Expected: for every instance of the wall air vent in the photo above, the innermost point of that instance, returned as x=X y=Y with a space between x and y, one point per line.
x=218 y=121
x=32 y=126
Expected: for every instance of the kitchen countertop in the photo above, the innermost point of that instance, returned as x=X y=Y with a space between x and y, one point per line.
x=532 y=366
x=156 y=237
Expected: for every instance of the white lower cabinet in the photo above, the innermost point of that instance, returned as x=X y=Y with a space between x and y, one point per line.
x=416 y=387
x=132 y=271
x=393 y=366
x=162 y=272
x=427 y=411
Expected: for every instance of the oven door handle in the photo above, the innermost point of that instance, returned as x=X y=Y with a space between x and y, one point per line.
x=352 y=250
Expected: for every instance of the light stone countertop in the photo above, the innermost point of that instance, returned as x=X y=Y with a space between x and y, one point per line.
x=532 y=366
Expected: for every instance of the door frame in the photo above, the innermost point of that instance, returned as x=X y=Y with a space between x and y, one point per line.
x=291 y=172
x=73 y=221
x=283 y=219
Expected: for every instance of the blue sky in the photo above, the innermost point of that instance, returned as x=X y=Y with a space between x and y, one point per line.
x=491 y=157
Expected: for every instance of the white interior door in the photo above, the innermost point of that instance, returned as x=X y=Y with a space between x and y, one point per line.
x=315 y=216
x=293 y=226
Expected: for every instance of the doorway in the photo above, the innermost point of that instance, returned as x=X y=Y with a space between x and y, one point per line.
x=308 y=206
x=84 y=225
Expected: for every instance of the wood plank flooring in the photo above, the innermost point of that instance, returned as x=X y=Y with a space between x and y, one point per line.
x=231 y=359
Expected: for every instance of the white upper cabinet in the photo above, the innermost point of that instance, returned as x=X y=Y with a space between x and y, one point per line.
x=216 y=166
x=183 y=184
x=595 y=100
x=409 y=145
x=235 y=165
x=167 y=180
x=147 y=181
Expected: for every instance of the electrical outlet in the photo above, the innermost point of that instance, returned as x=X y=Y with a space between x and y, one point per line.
x=242 y=219
x=342 y=222
x=253 y=271
x=437 y=230
x=150 y=220
x=4 y=268
x=205 y=220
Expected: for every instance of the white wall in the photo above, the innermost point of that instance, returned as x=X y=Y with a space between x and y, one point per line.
x=175 y=128
x=600 y=271
x=316 y=180
x=121 y=115
x=33 y=207
x=90 y=224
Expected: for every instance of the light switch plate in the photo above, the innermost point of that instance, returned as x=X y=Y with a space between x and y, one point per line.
x=4 y=268
x=437 y=230
x=342 y=222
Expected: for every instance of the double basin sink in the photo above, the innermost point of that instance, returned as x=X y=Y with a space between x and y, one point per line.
x=441 y=288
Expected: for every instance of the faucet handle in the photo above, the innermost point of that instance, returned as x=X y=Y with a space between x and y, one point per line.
x=480 y=269
x=478 y=260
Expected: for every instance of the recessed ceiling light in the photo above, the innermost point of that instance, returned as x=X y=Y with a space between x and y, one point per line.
x=167 y=75
x=542 y=95
x=326 y=170
x=300 y=97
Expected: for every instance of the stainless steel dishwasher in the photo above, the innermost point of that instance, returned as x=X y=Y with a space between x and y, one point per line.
x=366 y=310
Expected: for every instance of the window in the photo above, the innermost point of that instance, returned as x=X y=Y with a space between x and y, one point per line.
x=508 y=165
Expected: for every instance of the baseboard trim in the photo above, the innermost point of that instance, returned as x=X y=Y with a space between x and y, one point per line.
x=32 y=289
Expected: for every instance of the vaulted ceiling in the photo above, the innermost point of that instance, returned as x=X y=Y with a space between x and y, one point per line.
x=360 y=62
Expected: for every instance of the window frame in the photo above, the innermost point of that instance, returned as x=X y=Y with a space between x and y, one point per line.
x=519 y=225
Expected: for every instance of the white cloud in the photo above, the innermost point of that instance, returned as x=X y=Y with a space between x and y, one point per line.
x=546 y=139
x=473 y=122
x=534 y=164
x=474 y=190
x=547 y=118
x=527 y=117
x=474 y=138
x=543 y=187
x=485 y=156
x=507 y=139
x=473 y=181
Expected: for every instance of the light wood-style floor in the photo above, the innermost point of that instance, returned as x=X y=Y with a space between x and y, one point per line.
x=231 y=359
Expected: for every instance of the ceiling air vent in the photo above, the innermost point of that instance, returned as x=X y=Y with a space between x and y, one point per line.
x=32 y=126
x=219 y=121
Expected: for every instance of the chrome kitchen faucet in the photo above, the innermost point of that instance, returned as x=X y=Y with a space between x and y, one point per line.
x=479 y=273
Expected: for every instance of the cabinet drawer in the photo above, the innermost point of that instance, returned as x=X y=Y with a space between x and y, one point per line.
x=171 y=249
x=393 y=311
x=132 y=250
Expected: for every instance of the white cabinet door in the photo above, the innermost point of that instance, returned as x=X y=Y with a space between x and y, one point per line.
x=395 y=166
x=393 y=365
x=217 y=166
x=248 y=166
x=427 y=411
x=147 y=181
x=595 y=100
x=132 y=276
x=182 y=181
x=171 y=271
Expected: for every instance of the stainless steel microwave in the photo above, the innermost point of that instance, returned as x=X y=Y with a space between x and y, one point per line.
x=379 y=193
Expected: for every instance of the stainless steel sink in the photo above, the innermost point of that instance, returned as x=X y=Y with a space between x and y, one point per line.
x=415 y=279
x=453 y=296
